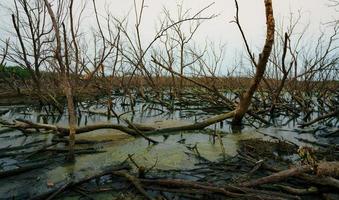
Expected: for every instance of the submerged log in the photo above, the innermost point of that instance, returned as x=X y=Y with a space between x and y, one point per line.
x=19 y=170
x=56 y=191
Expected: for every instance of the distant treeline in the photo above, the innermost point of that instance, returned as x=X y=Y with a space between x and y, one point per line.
x=14 y=71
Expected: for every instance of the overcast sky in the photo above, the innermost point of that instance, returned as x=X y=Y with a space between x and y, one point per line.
x=252 y=16
x=314 y=12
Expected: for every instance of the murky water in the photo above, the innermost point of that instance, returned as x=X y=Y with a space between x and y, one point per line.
x=171 y=153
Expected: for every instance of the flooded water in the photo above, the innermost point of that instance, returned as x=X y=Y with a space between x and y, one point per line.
x=173 y=151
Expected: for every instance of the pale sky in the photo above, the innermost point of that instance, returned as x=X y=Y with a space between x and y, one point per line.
x=314 y=12
x=252 y=16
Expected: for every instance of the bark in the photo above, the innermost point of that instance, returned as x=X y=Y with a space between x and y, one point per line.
x=135 y=181
x=178 y=183
x=226 y=190
x=70 y=184
x=285 y=75
x=324 y=181
x=64 y=131
x=64 y=70
x=328 y=169
x=335 y=113
x=278 y=176
x=245 y=99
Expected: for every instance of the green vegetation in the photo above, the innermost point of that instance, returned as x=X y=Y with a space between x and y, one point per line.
x=15 y=71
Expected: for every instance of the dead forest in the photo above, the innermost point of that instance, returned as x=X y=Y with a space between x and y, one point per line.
x=103 y=113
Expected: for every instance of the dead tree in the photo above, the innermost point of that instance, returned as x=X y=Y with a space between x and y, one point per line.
x=61 y=56
x=182 y=39
x=260 y=65
x=65 y=76
x=32 y=32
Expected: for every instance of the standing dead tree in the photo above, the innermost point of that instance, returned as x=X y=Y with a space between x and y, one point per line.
x=61 y=56
x=4 y=53
x=64 y=68
x=284 y=57
x=260 y=65
x=183 y=39
x=31 y=31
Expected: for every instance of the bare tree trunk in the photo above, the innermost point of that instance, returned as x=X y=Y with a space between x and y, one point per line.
x=72 y=118
x=245 y=99
x=67 y=87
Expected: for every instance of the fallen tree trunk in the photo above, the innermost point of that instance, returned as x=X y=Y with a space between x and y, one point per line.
x=323 y=117
x=276 y=177
x=323 y=181
x=20 y=170
x=324 y=171
x=328 y=169
x=135 y=181
x=55 y=191
x=226 y=190
x=64 y=131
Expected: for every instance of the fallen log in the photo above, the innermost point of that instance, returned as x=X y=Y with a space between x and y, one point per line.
x=150 y=140
x=63 y=140
x=6 y=130
x=298 y=191
x=276 y=177
x=73 y=183
x=225 y=190
x=328 y=169
x=25 y=146
x=323 y=181
x=64 y=131
x=135 y=181
x=20 y=170
x=323 y=117
x=195 y=126
x=177 y=183
x=60 y=190
x=76 y=151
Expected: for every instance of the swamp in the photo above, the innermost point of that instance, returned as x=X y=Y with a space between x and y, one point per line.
x=93 y=107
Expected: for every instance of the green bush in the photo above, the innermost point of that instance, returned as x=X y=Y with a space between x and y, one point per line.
x=15 y=71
